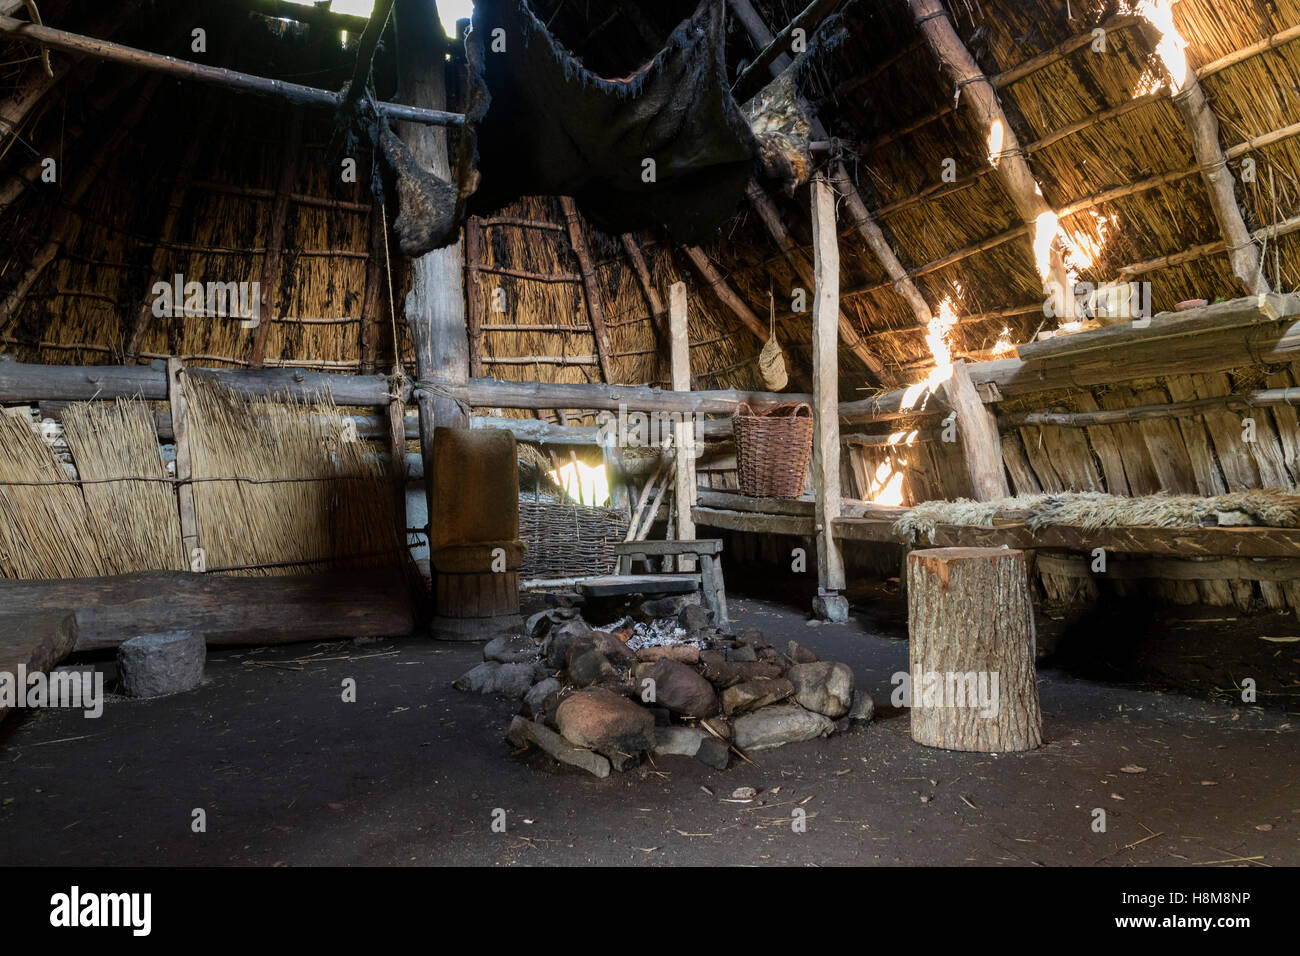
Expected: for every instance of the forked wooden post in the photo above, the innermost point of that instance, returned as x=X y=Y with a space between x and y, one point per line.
x=977 y=427
x=684 y=436
x=971 y=650
x=829 y=604
x=189 y=519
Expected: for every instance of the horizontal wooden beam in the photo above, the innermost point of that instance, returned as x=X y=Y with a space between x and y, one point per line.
x=183 y=69
x=493 y=393
x=1139 y=413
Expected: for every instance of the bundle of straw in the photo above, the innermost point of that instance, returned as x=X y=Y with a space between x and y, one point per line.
x=295 y=487
x=45 y=531
x=135 y=523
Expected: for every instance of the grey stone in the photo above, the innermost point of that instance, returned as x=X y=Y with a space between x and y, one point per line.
x=714 y=753
x=825 y=687
x=564 y=599
x=524 y=732
x=665 y=607
x=686 y=653
x=535 y=699
x=678 y=741
x=510 y=649
x=678 y=687
x=154 y=665
x=863 y=708
x=744 y=653
x=621 y=762
x=775 y=726
x=492 y=677
x=556 y=644
x=753 y=637
x=695 y=618
x=539 y=625
x=753 y=694
x=735 y=672
x=597 y=657
x=799 y=654
x=831 y=607
x=598 y=718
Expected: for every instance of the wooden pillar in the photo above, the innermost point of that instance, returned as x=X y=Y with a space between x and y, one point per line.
x=474 y=294
x=829 y=604
x=435 y=304
x=376 y=294
x=984 y=108
x=397 y=464
x=977 y=427
x=270 y=277
x=971 y=651
x=590 y=287
x=189 y=519
x=684 y=436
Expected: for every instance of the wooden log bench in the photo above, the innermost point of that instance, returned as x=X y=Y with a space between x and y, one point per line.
x=708 y=580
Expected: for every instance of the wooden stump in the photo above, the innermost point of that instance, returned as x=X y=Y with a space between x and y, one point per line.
x=971 y=650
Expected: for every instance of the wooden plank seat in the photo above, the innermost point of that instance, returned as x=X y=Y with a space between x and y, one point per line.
x=708 y=580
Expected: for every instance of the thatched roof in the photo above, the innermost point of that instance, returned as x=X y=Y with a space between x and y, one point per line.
x=880 y=93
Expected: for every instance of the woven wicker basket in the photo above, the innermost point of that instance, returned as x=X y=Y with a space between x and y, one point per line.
x=773 y=449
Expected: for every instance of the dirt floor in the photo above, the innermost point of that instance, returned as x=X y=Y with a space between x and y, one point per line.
x=412 y=773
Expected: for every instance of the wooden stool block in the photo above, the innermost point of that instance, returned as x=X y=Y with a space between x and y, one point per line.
x=971 y=650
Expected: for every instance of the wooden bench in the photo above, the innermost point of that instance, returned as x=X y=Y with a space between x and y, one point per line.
x=708 y=580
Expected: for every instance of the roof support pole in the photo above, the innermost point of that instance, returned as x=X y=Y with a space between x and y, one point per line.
x=981 y=99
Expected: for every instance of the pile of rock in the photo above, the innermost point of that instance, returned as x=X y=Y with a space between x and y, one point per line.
x=602 y=698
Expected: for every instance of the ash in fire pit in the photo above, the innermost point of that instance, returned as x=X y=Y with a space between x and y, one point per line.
x=601 y=698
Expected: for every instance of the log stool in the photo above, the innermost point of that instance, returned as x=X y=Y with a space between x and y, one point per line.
x=474 y=546
x=970 y=622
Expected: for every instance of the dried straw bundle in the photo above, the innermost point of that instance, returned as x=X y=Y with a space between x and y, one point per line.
x=309 y=492
x=45 y=531
x=135 y=523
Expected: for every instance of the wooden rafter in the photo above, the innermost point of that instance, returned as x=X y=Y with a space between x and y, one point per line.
x=167 y=231
x=474 y=294
x=866 y=225
x=64 y=232
x=776 y=228
x=979 y=94
x=595 y=310
x=270 y=276
x=655 y=302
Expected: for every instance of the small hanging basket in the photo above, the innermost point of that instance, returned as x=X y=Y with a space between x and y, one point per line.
x=773 y=449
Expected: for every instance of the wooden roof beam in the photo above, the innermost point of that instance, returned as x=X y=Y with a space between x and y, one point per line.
x=981 y=99
x=1203 y=128
x=753 y=22
x=218 y=76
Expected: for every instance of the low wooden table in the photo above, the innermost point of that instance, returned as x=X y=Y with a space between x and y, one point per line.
x=708 y=580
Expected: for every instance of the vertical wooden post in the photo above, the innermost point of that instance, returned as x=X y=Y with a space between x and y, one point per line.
x=590 y=287
x=397 y=451
x=474 y=295
x=372 y=303
x=829 y=604
x=435 y=304
x=270 y=279
x=684 y=436
x=978 y=429
x=189 y=519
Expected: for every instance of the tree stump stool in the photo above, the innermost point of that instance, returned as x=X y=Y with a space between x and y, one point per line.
x=971 y=650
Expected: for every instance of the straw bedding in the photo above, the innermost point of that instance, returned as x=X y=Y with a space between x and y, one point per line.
x=1091 y=510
